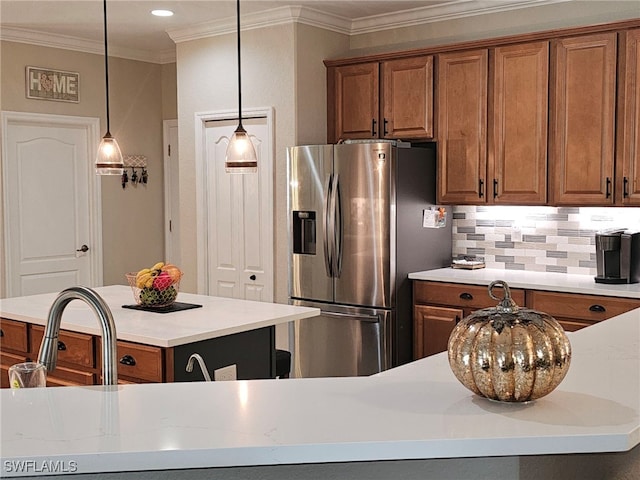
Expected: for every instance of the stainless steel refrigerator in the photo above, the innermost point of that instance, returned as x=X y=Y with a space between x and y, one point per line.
x=356 y=229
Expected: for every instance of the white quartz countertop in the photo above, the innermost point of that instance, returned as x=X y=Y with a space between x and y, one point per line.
x=417 y=411
x=217 y=317
x=556 y=282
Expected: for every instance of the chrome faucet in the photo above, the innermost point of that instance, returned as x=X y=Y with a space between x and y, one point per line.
x=48 y=354
x=203 y=366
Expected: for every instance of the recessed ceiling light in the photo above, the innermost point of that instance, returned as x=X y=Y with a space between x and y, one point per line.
x=162 y=13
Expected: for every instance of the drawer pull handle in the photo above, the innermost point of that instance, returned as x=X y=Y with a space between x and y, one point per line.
x=1 y=333
x=457 y=319
x=466 y=296
x=128 y=360
x=61 y=346
x=597 y=308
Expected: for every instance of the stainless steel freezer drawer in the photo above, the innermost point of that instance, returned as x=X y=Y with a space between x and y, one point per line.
x=343 y=341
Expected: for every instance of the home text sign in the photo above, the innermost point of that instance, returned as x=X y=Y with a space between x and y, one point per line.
x=48 y=84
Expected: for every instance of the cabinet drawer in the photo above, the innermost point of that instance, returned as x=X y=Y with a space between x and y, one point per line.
x=14 y=335
x=140 y=361
x=581 y=307
x=459 y=295
x=74 y=348
x=64 y=377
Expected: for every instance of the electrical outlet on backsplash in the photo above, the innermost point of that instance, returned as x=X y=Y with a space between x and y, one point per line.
x=540 y=239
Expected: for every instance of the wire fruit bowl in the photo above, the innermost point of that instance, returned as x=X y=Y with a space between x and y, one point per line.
x=162 y=292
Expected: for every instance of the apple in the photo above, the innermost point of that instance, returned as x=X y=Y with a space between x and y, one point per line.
x=162 y=281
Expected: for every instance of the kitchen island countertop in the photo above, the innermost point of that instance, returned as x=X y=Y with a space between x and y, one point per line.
x=217 y=316
x=555 y=282
x=414 y=412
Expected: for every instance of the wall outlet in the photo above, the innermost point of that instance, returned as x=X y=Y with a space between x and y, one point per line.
x=516 y=234
x=230 y=372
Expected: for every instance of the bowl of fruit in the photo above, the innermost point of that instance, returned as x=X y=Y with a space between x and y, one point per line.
x=157 y=286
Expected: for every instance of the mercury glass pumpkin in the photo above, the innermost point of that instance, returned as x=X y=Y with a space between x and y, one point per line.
x=508 y=353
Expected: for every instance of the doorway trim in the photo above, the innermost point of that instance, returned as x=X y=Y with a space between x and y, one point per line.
x=91 y=125
x=202 y=227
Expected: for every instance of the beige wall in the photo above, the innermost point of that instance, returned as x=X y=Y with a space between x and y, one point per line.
x=281 y=68
x=132 y=219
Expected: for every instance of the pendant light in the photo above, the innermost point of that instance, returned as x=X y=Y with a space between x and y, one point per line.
x=109 y=158
x=241 y=155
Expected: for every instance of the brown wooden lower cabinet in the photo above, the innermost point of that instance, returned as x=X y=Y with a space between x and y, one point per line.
x=432 y=327
x=80 y=356
x=438 y=306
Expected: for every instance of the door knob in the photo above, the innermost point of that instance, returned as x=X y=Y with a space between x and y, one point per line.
x=83 y=248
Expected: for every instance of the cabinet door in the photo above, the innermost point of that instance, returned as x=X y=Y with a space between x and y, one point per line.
x=517 y=144
x=353 y=93
x=628 y=127
x=432 y=327
x=582 y=106
x=407 y=98
x=462 y=120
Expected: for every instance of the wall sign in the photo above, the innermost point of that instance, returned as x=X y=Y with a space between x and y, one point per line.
x=48 y=84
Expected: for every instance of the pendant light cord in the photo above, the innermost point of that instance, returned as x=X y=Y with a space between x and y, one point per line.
x=106 y=63
x=239 y=75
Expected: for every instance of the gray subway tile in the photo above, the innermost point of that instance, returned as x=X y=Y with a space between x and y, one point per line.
x=475 y=251
x=505 y=244
x=485 y=223
x=475 y=236
x=587 y=263
x=466 y=229
x=556 y=269
x=514 y=266
x=459 y=215
x=534 y=238
x=556 y=254
x=505 y=258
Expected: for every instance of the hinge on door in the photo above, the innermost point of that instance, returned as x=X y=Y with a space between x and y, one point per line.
x=169 y=149
x=170 y=226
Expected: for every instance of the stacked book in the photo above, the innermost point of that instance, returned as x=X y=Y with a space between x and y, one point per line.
x=468 y=262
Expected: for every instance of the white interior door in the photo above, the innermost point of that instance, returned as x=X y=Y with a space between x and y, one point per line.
x=51 y=203
x=238 y=214
x=171 y=189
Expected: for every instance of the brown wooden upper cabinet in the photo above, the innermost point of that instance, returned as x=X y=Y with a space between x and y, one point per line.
x=518 y=110
x=628 y=123
x=582 y=119
x=492 y=125
x=461 y=126
x=390 y=99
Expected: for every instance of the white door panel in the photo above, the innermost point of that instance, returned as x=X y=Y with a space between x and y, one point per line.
x=239 y=244
x=48 y=202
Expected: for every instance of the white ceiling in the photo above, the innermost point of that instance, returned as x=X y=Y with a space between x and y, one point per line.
x=134 y=33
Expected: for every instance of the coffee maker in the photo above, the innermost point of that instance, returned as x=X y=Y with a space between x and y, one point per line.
x=618 y=256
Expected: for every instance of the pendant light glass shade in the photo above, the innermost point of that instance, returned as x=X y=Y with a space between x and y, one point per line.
x=241 y=155
x=109 y=159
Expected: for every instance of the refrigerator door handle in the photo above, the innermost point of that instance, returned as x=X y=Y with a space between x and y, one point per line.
x=336 y=207
x=327 y=218
x=360 y=318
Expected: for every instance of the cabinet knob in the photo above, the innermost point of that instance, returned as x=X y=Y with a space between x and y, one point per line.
x=128 y=360
x=466 y=296
x=597 y=308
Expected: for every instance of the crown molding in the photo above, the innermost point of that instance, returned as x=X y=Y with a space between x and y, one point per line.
x=65 y=42
x=277 y=16
x=440 y=13
x=268 y=18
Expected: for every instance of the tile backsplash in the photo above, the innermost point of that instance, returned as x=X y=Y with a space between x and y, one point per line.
x=541 y=239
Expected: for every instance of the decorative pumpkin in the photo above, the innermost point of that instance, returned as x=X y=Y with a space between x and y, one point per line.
x=508 y=353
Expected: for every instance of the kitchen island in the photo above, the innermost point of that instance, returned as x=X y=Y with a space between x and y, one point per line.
x=414 y=421
x=222 y=330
